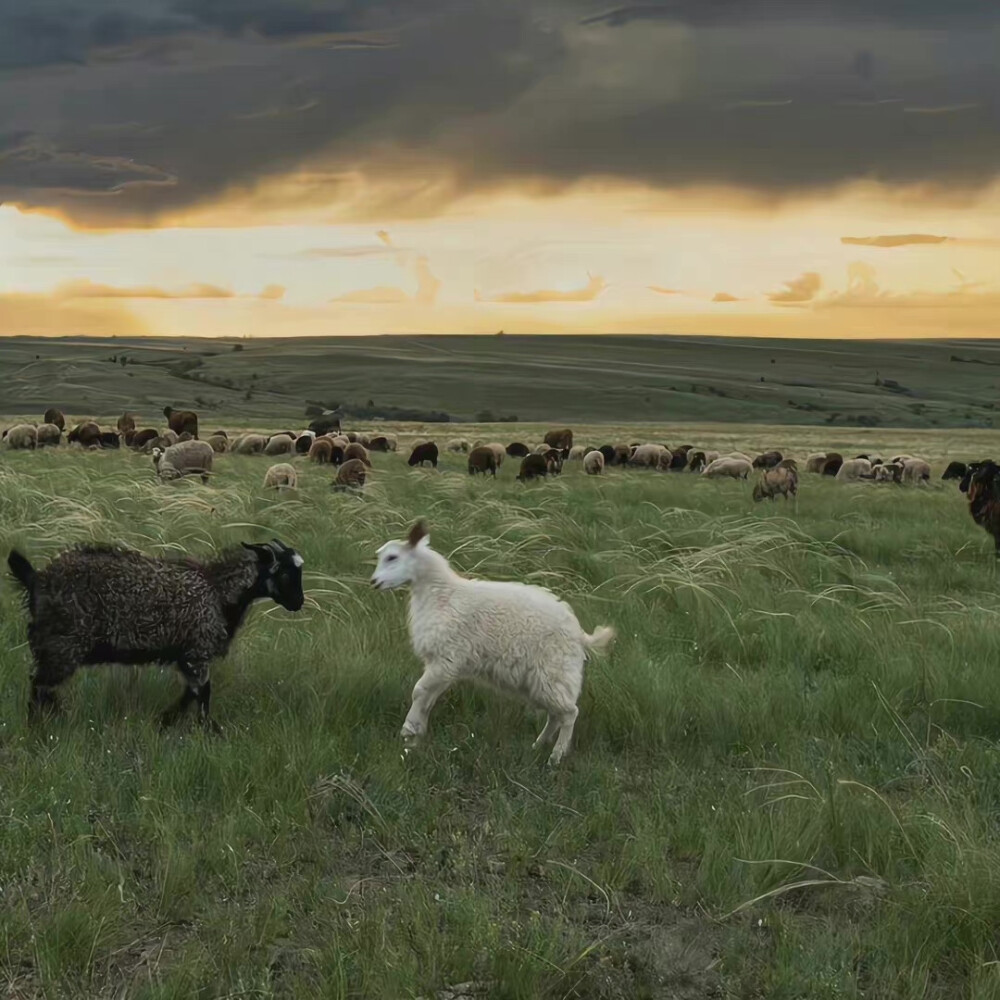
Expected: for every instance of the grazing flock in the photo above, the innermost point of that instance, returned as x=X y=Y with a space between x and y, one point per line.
x=106 y=604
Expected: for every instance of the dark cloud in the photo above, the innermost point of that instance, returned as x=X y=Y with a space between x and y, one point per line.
x=158 y=105
x=894 y=240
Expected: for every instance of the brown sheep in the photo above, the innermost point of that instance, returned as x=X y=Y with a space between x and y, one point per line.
x=769 y=460
x=352 y=476
x=87 y=435
x=279 y=444
x=482 y=460
x=777 y=481
x=379 y=443
x=321 y=451
x=141 y=438
x=180 y=421
x=561 y=440
x=218 y=444
x=356 y=450
x=126 y=423
x=47 y=435
x=54 y=416
x=815 y=461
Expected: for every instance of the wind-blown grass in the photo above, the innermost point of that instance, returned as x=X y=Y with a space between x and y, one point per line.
x=784 y=779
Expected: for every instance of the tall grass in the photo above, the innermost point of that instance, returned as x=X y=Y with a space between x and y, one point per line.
x=784 y=781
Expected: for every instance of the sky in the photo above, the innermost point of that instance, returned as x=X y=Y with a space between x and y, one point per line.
x=307 y=167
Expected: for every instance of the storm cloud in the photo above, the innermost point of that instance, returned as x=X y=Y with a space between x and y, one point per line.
x=122 y=113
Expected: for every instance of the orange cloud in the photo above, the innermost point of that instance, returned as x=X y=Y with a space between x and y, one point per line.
x=384 y=237
x=799 y=290
x=43 y=316
x=84 y=288
x=894 y=240
x=724 y=297
x=660 y=290
x=273 y=293
x=428 y=286
x=593 y=289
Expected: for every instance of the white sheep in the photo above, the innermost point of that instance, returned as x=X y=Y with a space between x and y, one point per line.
x=593 y=463
x=499 y=451
x=647 y=455
x=735 y=468
x=517 y=638
x=249 y=444
x=282 y=476
x=22 y=436
x=458 y=445
x=854 y=469
x=816 y=461
x=916 y=471
x=48 y=435
x=189 y=458
x=279 y=444
x=577 y=453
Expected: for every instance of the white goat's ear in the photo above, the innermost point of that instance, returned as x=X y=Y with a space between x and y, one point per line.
x=418 y=534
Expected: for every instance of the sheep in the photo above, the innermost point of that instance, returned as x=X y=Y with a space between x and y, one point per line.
x=916 y=471
x=768 y=460
x=816 y=461
x=352 y=438
x=540 y=449
x=901 y=459
x=321 y=451
x=483 y=460
x=982 y=485
x=279 y=444
x=517 y=449
x=54 y=416
x=532 y=466
x=679 y=457
x=426 y=452
x=734 y=468
x=608 y=453
x=854 y=469
x=172 y=437
x=325 y=424
x=282 y=476
x=189 y=458
x=593 y=463
x=22 y=437
x=47 y=435
x=779 y=480
x=249 y=444
x=458 y=445
x=391 y=442
x=517 y=638
x=110 y=439
x=340 y=441
x=182 y=420
x=87 y=435
x=561 y=440
x=739 y=455
x=554 y=460
x=698 y=461
x=831 y=466
x=378 y=443
x=221 y=434
x=665 y=460
x=577 y=453
x=891 y=472
x=141 y=438
x=304 y=442
x=218 y=444
x=351 y=476
x=126 y=422
x=357 y=450
x=646 y=456
x=790 y=464
x=103 y=604
x=955 y=470
x=499 y=452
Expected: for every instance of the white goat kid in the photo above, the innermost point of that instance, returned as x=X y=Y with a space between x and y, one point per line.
x=514 y=637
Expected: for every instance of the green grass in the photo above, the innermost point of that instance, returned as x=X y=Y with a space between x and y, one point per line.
x=784 y=783
x=594 y=379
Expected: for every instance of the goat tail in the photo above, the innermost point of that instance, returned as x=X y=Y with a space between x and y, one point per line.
x=600 y=639
x=23 y=571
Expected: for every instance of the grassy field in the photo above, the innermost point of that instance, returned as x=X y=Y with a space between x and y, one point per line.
x=564 y=379
x=785 y=780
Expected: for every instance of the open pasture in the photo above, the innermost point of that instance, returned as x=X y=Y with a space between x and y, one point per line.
x=784 y=780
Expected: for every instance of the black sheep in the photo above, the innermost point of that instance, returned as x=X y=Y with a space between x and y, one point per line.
x=982 y=485
x=109 y=439
x=833 y=463
x=955 y=470
x=426 y=452
x=303 y=443
x=608 y=451
x=768 y=460
x=325 y=425
x=104 y=604
x=518 y=450
x=532 y=466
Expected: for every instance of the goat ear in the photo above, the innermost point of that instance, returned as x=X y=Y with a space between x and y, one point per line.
x=418 y=533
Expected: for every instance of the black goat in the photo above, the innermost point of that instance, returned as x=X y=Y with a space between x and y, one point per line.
x=104 y=604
